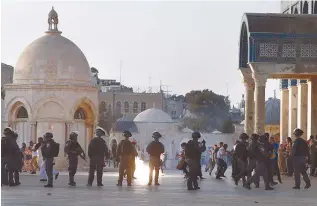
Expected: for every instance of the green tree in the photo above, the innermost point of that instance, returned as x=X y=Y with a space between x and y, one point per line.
x=211 y=109
x=228 y=127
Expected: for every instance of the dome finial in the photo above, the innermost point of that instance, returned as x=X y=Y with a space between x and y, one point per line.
x=52 y=20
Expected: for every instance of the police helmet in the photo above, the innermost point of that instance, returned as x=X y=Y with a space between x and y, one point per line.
x=243 y=136
x=100 y=130
x=73 y=135
x=48 y=135
x=7 y=131
x=156 y=135
x=127 y=134
x=298 y=132
x=196 y=135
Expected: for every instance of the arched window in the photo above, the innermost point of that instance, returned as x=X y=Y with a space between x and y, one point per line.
x=22 y=113
x=118 y=108
x=143 y=106
x=315 y=7
x=126 y=107
x=295 y=11
x=135 y=107
x=305 y=8
x=79 y=114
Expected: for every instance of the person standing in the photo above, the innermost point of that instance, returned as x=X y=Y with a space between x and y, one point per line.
x=273 y=160
x=261 y=153
x=155 y=149
x=192 y=155
x=313 y=155
x=288 y=157
x=300 y=154
x=241 y=155
x=235 y=165
x=35 y=158
x=50 y=149
x=5 y=154
x=97 y=152
x=73 y=150
x=221 y=161
x=281 y=160
x=126 y=151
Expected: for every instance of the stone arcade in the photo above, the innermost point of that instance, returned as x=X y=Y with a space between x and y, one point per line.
x=52 y=91
x=280 y=46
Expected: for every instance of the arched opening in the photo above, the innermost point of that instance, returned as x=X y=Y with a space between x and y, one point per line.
x=315 y=7
x=295 y=11
x=22 y=113
x=243 y=60
x=305 y=8
x=143 y=106
x=80 y=114
x=126 y=107
x=118 y=109
x=135 y=107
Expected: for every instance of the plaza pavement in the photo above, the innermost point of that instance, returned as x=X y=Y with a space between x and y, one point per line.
x=172 y=192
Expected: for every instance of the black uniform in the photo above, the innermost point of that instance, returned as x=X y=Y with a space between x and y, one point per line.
x=155 y=149
x=5 y=153
x=49 y=152
x=300 y=154
x=73 y=150
x=261 y=155
x=192 y=155
x=97 y=151
x=241 y=155
x=313 y=156
x=127 y=153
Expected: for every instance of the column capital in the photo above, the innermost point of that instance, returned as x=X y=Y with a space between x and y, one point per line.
x=260 y=79
x=248 y=81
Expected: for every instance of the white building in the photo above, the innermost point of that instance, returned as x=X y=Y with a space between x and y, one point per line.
x=52 y=91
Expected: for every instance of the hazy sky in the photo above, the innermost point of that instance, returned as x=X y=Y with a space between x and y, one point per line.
x=187 y=45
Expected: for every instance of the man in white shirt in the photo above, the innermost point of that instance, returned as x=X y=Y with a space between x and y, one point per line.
x=221 y=161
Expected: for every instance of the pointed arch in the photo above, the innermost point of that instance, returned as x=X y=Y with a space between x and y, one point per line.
x=305 y=8
x=12 y=107
x=22 y=113
x=135 y=108
x=143 y=106
x=126 y=107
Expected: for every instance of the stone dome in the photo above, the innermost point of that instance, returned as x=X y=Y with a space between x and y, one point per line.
x=153 y=115
x=52 y=59
x=272 y=111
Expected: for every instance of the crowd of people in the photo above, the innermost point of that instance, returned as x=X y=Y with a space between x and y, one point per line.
x=252 y=157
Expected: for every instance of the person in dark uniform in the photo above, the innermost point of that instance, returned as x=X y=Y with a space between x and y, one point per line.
x=155 y=149
x=262 y=158
x=5 y=154
x=251 y=149
x=313 y=155
x=300 y=154
x=192 y=156
x=73 y=150
x=17 y=161
x=48 y=153
x=235 y=166
x=97 y=152
x=127 y=153
x=241 y=155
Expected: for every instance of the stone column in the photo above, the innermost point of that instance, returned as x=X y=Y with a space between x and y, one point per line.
x=292 y=106
x=312 y=107
x=33 y=131
x=249 y=108
x=249 y=100
x=302 y=106
x=260 y=82
x=284 y=110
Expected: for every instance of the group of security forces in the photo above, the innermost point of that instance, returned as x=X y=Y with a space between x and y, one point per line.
x=249 y=156
x=253 y=156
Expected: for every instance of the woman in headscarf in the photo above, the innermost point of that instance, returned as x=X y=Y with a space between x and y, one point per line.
x=281 y=159
x=288 y=157
x=27 y=158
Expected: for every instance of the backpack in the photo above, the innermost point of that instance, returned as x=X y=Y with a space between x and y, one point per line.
x=55 y=149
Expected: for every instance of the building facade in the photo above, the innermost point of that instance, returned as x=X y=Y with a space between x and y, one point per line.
x=52 y=91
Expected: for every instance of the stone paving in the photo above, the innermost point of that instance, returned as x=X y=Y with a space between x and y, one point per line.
x=172 y=192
